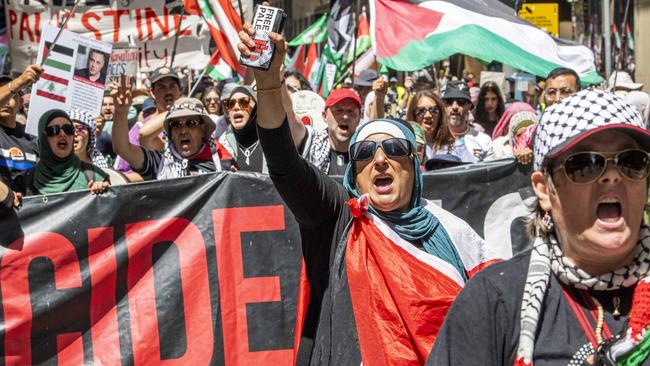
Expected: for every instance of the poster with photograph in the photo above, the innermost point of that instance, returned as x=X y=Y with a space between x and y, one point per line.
x=74 y=74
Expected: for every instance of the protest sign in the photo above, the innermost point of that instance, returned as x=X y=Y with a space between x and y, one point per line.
x=124 y=61
x=308 y=107
x=152 y=25
x=74 y=75
x=207 y=277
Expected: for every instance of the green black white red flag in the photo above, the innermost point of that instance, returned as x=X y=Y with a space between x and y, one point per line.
x=412 y=34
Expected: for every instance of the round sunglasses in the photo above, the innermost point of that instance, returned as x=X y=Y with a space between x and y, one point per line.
x=587 y=167
x=393 y=147
x=55 y=130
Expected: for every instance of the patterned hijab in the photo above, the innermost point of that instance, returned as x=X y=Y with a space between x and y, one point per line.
x=418 y=224
x=83 y=117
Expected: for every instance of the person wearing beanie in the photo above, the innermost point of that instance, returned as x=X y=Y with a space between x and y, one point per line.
x=382 y=264
x=580 y=295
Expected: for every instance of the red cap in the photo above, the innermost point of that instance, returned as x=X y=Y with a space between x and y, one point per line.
x=342 y=94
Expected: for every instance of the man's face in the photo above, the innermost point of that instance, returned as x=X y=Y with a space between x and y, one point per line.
x=457 y=110
x=559 y=88
x=81 y=136
x=108 y=108
x=387 y=181
x=165 y=92
x=342 y=120
x=240 y=106
x=491 y=102
x=95 y=63
x=597 y=221
x=25 y=100
x=187 y=140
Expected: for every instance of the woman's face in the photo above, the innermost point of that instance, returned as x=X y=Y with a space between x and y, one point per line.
x=81 y=136
x=427 y=115
x=59 y=137
x=293 y=84
x=211 y=103
x=491 y=102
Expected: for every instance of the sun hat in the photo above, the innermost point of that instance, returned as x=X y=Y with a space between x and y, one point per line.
x=189 y=107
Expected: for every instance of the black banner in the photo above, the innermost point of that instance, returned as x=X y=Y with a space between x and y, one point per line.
x=202 y=269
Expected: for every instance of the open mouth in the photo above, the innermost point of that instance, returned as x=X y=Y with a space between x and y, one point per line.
x=62 y=144
x=609 y=211
x=383 y=184
x=185 y=141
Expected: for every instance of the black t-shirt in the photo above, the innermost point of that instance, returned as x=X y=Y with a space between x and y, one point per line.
x=338 y=162
x=482 y=326
x=18 y=156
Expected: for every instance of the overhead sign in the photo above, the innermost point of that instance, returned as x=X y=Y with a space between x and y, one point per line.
x=543 y=16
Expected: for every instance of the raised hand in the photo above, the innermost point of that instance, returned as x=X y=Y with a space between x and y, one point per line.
x=28 y=77
x=266 y=79
x=122 y=93
x=380 y=86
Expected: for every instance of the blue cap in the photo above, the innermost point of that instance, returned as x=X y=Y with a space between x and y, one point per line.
x=148 y=104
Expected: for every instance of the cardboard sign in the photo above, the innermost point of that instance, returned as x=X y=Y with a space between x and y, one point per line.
x=74 y=75
x=124 y=61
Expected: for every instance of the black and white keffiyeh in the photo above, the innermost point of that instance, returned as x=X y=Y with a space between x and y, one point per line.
x=547 y=258
x=175 y=166
x=319 y=152
x=575 y=116
x=86 y=119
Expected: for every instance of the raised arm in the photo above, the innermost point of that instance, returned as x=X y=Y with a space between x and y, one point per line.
x=28 y=77
x=122 y=95
x=150 y=132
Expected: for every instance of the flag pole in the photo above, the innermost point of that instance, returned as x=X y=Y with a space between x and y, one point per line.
x=198 y=81
x=354 y=38
x=607 y=35
x=241 y=12
x=178 y=32
x=65 y=21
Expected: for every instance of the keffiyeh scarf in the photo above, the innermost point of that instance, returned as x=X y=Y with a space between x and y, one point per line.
x=175 y=166
x=547 y=257
x=319 y=153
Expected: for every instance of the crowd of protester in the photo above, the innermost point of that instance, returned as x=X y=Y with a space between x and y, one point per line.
x=381 y=135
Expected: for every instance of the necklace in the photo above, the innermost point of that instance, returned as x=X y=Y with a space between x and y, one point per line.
x=248 y=151
x=600 y=321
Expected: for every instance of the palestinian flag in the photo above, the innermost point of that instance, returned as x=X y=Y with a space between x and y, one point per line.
x=363 y=37
x=312 y=63
x=52 y=87
x=412 y=34
x=316 y=33
x=296 y=62
x=339 y=30
x=60 y=58
x=217 y=69
x=224 y=24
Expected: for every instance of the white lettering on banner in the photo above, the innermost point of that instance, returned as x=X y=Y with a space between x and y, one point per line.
x=498 y=219
x=149 y=23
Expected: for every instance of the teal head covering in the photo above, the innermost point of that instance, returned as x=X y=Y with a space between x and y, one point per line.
x=418 y=224
x=53 y=174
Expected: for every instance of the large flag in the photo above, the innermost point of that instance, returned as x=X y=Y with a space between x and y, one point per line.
x=224 y=24
x=296 y=62
x=217 y=69
x=311 y=64
x=412 y=34
x=339 y=30
x=316 y=33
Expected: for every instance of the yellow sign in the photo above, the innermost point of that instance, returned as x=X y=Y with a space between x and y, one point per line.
x=544 y=16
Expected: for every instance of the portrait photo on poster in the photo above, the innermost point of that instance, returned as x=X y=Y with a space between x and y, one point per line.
x=91 y=65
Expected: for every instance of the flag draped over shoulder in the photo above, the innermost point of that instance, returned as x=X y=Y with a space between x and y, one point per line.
x=316 y=33
x=412 y=34
x=224 y=24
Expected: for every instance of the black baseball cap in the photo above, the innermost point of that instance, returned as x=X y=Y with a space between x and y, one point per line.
x=456 y=90
x=366 y=77
x=163 y=72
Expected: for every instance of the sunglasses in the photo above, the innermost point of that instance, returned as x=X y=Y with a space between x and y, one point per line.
x=587 y=167
x=421 y=111
x=55 y=130
x=460 y=102
x=190 y=123
x=243 y=102
x=211 y=99
x=81 y=129
x=394 y=147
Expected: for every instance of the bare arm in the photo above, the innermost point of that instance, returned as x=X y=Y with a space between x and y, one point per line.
x=150 y=132
x=377 y=106
x=122 y=95
x=28 y=77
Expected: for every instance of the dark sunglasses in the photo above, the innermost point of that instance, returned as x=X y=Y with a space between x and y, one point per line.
x=81 y=129
x=421 y=111
x=587 y=167
x=190 y=123
x=243 y=102
x=55 y=130
x=394 y=147
x=460 y=102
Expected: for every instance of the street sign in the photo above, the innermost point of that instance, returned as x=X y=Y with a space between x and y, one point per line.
x=544 y=16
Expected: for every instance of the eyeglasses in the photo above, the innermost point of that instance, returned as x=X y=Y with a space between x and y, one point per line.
x=190 y=123
x=587 y=167
x=394 y=147
x=211 y=99
x=460 y=102
x=421 y=111
x=55 y=130
x=419 y=148
x=243 y=102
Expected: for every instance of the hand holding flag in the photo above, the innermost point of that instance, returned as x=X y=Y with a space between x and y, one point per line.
x=27 y=78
